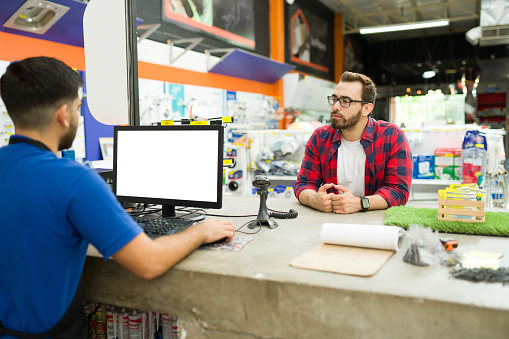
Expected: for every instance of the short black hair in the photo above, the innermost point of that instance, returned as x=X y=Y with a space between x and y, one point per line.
x=33 y=88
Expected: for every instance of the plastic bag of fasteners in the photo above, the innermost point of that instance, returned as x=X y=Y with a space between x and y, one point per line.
x=482 y=274
x=425 y=247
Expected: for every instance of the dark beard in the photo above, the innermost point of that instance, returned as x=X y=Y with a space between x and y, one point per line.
x=67 y=140
x=346 y=124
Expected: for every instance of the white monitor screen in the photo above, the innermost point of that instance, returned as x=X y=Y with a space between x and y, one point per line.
x=169 y=165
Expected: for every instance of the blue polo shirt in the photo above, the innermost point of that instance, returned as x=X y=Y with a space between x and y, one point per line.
x=51 y=209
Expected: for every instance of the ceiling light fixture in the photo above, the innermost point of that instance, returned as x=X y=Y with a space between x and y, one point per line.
x=36 y=16
x=428 y=74
x=405 y=26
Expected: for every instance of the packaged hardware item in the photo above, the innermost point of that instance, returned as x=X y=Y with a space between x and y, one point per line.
x=167 y=326
x=474 y=156
x=425 y=247
x=447 y=163
x=424 y=165
x=123 y=324
x=111 y=322
x=135 y=331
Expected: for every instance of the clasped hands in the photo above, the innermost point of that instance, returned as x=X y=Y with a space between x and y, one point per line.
x=342 y=203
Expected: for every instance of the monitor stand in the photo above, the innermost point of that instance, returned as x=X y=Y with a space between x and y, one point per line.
x=168 y=211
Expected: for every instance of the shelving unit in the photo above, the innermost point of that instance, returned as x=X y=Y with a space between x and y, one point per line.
x=492 y=110
x=430 y=193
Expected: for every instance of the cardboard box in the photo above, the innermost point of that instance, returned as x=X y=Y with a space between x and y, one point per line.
x=448 y=173
x=446 y=157
x=423 y=166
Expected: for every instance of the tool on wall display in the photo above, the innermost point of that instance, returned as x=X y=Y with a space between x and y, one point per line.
x=273 y=153
x=161 y=101
x=6 y=125
x=252 y=111
x=158 y=102
x=7 y=129
x=235 y=183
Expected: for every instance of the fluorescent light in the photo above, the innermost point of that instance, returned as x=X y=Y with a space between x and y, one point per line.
x=405 y=26
x=428 y=74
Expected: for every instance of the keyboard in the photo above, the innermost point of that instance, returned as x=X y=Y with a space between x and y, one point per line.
x=155 y=227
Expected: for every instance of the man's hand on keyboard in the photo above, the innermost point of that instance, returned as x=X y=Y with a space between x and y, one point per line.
x=217 y=229
x=148 y=258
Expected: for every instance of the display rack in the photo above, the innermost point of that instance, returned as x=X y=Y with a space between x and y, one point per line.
x=261 y=159
x=428 y=188
x=242 y=64
x=491 y=109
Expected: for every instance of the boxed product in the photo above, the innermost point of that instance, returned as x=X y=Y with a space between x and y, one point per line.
x=445 y=157
x=448 y=163
x=448 y=173
x=423 y=166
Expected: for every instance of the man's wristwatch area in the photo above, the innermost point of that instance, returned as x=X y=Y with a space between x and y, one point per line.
x=364 y=204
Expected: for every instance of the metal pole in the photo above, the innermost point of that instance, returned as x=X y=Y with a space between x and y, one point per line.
x=132 y=63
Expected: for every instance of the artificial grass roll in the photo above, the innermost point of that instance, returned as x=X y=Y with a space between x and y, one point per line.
x=496 y=223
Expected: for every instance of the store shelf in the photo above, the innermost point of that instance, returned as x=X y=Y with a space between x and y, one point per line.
x=491 y=109
x=427 y=195
x=291 y=178
x=435 y=182
x=241 y=64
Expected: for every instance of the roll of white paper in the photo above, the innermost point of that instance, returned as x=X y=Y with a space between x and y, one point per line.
x=369 y=236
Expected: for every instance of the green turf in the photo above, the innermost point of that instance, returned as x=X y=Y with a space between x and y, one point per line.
x=496 y=224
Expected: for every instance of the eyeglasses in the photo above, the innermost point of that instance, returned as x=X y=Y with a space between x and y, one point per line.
x=344 y=102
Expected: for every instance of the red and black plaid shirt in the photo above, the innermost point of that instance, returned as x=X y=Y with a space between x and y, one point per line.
x=388 y=161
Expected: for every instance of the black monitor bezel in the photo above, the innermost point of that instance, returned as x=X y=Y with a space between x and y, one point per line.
x=173 y=202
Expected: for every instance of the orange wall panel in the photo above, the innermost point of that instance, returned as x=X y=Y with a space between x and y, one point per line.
x=277 y=42
x=16 y=47
x=181 y=76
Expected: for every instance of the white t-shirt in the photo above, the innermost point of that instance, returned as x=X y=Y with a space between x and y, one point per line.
x=351 y=166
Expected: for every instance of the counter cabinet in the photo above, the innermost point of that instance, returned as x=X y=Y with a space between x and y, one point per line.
x=254 y=293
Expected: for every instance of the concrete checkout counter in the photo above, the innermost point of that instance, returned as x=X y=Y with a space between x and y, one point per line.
x=254 y=293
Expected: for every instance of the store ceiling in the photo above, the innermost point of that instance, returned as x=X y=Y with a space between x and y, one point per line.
x=401 y=57
x=463 y=15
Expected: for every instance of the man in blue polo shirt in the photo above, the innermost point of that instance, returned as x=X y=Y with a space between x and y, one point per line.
x=53 y=208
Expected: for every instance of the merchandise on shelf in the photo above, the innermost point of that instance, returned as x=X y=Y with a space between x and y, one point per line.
x=491 y=109
x=423 y=166
x=6 y=125
x=284 y=191
x=112 y=322
x=448 y=163
x=474 y=157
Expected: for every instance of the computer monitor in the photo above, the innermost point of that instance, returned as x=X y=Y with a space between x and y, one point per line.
x=179 y=165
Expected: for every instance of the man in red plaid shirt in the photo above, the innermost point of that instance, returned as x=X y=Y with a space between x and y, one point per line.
x=356 y=163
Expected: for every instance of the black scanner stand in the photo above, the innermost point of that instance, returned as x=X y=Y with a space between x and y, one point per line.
x=263 y=214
